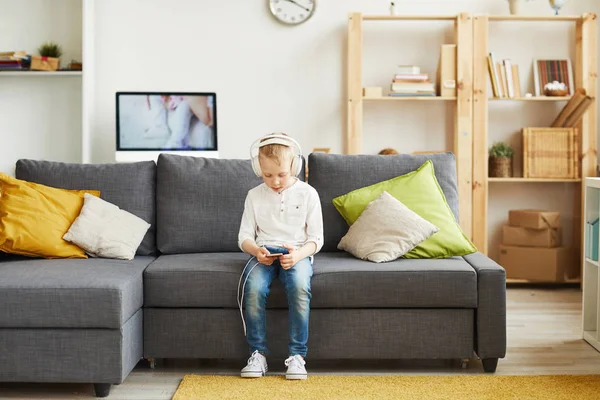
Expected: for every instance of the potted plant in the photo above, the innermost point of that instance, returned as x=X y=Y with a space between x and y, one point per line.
x=49 y=58
x=500 y=160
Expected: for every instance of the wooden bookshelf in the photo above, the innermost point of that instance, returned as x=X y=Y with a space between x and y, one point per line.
x=410 y=98
x=585 y=74
x=535 y=18
x=539 y=180
x=462 y=148
x=408 y=17
x=534 y=98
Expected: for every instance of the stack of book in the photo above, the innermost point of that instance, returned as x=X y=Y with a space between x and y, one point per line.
x=408 y=81
x=13 y=61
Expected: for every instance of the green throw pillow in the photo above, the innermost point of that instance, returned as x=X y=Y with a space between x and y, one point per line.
x=419 y=191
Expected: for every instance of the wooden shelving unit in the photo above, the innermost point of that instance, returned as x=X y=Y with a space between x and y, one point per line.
x=585 y=74
x=539 y=180
x=535 y=98
x=463 y=138
x=416 y=98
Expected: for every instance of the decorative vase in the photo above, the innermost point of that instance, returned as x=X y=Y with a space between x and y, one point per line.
x=514 y=6
x=500 y=167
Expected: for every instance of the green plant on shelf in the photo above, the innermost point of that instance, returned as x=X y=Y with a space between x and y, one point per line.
x=50 y=49
x=501 y=150
x=500 y=161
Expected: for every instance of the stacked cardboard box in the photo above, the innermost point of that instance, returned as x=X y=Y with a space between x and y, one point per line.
x=532 y=247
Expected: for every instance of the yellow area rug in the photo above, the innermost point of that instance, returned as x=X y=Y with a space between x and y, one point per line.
x=546 y=387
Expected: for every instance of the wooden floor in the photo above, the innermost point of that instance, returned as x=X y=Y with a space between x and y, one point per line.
x=544 y=337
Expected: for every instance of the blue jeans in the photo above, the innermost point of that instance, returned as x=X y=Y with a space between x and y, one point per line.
x=296 y=281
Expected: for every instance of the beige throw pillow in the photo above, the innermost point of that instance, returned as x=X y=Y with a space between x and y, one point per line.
x=385 y=231
x=104 y=230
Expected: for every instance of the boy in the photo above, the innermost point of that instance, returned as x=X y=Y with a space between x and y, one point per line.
x=284 y=214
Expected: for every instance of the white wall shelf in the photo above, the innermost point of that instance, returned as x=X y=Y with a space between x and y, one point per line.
x=43 y=110
x=29 y=74
x=591 y=277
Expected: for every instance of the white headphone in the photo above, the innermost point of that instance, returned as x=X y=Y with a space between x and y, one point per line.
x=275 y=138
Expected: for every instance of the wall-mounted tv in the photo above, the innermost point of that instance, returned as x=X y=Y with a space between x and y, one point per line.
x=150 y=123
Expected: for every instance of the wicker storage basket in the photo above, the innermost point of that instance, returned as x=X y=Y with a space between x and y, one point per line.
x=500 y=167
x=550 y=153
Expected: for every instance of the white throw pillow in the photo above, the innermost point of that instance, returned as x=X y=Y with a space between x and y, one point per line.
x=386 y=230
x=104 y=230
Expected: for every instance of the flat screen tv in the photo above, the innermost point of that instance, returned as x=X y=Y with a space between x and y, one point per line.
x=150 y=123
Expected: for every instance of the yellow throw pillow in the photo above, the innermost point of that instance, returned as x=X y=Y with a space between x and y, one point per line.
x=34 y=218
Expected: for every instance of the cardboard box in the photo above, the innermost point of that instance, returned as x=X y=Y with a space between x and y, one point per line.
x=527 y=237
x=538 y=263
x=536 y=219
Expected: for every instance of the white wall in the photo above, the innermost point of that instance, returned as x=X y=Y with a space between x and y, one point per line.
x=40 y=117
x=269 y=77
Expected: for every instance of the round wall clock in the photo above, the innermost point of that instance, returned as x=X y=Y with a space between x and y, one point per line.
x=292 y=12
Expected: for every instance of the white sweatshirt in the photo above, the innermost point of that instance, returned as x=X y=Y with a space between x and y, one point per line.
x=291 y=217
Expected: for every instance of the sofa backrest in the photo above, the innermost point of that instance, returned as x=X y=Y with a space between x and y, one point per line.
x=130 y=186
x=200 y=202
x=333 y=175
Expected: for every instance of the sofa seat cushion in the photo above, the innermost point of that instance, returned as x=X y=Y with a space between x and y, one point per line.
x=70 y=293
x=339 y=281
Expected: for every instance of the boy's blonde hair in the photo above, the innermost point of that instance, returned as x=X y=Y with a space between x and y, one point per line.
x=276 y=152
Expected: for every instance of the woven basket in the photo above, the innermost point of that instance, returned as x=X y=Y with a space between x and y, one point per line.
x=500 y=167
x=550 y=153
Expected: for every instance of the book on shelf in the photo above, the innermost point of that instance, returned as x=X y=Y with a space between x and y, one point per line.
x=446 y=71
x=397 y=94
x=572 y=112
x=411 y=77
x=504 y=77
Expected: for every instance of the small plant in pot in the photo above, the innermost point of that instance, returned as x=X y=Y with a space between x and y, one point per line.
x=500 y=160
x=49 y=58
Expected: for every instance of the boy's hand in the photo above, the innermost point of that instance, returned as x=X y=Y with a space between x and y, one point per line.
x=287 y=261
x=262 y=258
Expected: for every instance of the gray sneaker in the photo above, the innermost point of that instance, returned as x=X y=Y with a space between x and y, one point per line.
x=257 y=366
x=295 y=367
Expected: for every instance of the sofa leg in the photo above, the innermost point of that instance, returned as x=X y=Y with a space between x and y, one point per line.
x=489 y=364
x=464 y=363
x=102 y=389
x=152 y=362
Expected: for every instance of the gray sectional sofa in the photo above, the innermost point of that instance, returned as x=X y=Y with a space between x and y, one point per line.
x=92 y=320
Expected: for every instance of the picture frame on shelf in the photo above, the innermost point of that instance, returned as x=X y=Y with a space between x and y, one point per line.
x=548 y=71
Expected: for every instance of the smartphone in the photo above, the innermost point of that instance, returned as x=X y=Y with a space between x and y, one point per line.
x=276 y=251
